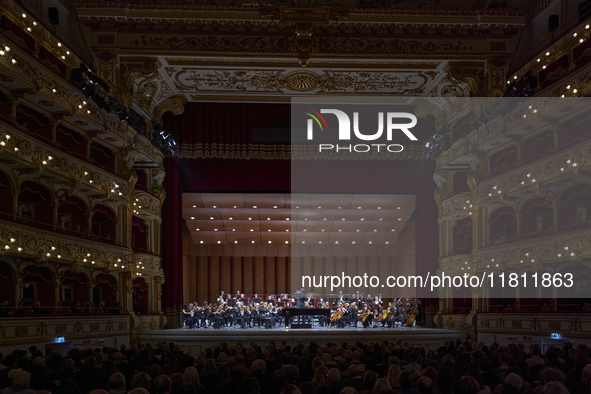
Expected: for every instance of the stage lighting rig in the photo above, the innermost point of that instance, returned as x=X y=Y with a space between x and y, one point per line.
x=438 y=143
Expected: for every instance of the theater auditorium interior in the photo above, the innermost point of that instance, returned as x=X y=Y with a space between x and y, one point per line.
x=184 y=208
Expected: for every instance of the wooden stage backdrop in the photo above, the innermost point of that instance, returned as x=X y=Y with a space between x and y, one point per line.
x=266 y=269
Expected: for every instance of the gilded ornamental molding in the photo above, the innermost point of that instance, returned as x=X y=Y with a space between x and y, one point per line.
x=46 y=246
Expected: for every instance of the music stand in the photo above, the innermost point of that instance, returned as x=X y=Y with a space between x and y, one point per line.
x=231 y=301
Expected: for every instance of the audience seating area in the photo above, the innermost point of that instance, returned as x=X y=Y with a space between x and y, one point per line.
x=389 y=367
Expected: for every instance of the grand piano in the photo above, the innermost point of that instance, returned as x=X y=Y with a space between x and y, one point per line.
x=289 y=313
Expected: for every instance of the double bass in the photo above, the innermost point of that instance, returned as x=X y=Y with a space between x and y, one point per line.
x=412 y=316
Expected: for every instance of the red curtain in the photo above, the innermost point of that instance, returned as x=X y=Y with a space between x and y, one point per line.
x=172 y=243
x=224 y=130
x=427 y=228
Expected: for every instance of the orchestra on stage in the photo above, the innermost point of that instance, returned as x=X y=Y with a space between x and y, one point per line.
x=336 y=310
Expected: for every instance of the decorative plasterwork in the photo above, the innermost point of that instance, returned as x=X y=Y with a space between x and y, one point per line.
x=44 y=38
x=456 y=263
x=36 y=243
x=543 y=172
x=561 y=47
x=25 y=331
x=454 y=207
x=150 y=205
x=543 y=324
x=77 y=172
x=299 y=81
x=62 y=93
x=540 y=250
x=149 y=262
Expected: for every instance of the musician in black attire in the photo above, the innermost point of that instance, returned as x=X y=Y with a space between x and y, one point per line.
x=369 y=320
x=396 y=315
x=186 y=315
x=241 y=318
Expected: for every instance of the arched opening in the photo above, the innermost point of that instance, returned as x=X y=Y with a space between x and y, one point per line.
x=502 y=225
x=574 y=209
x=142 y=180
x=578 y=297
x=74 y=288
x=6 y=288
x=105 y=289
x=7 y=207
x=139 y=234
x=503 y=160
x=140 y=296
x=460 y=182
x=462 y=236
x=34 y=205
x=71 y=142
x=104 y=223
x=38 y=286
x=462 y=299
x=72 y=214
x=537 y=218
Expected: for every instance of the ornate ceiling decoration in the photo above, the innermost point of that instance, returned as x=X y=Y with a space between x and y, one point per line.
x=163 y=55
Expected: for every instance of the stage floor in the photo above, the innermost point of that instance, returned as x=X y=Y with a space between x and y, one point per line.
x=196 y=339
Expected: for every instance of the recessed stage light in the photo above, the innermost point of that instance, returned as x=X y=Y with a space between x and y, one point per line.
x=192 y=217
x=211 y=218
x=200 y=242
x=214 y=206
